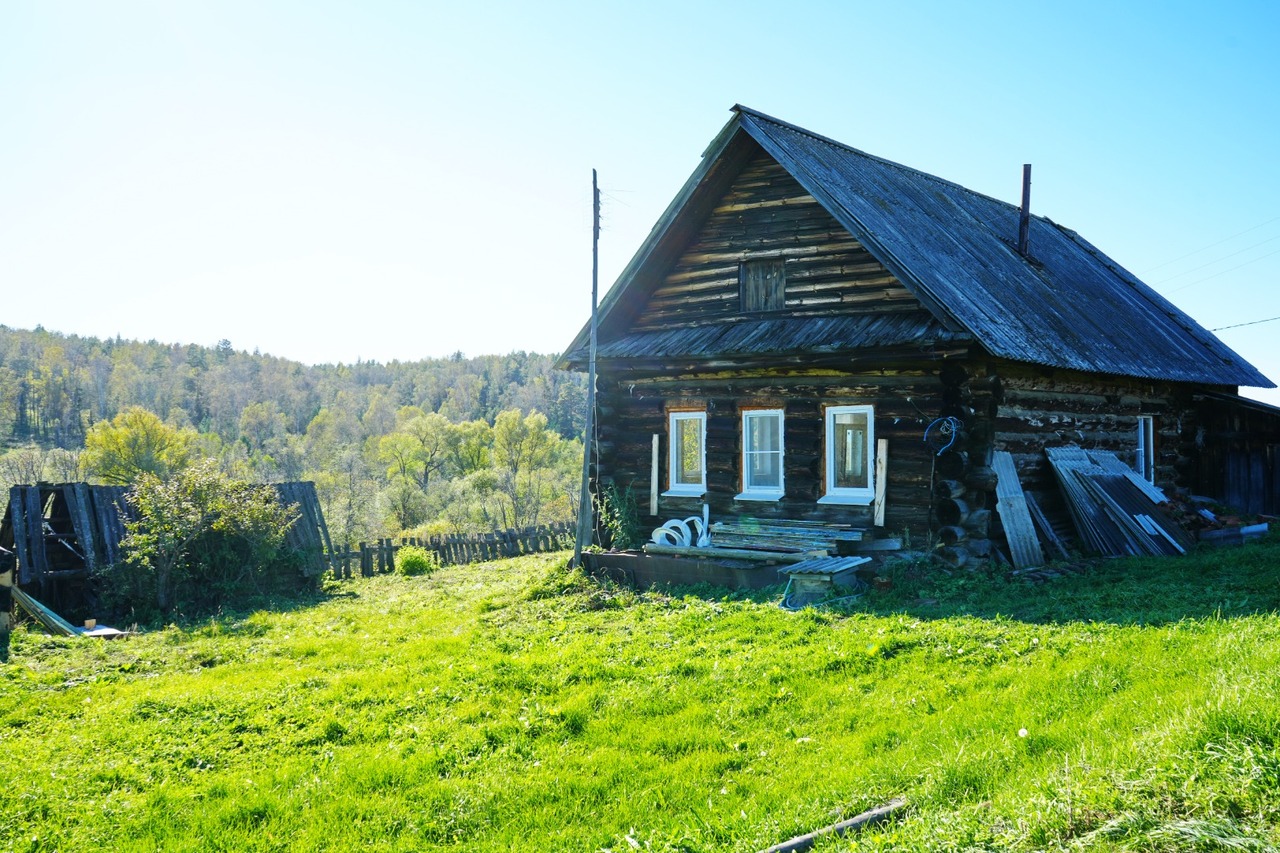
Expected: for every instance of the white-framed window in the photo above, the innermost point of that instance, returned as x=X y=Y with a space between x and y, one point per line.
x=849 y=449
x=1146 y=455
x=687 y=454
x=762 y=455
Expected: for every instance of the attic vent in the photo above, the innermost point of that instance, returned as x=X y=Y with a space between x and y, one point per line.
x=1024 y=217
x=763 y=284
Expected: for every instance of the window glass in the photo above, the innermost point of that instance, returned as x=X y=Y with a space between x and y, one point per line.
x=850 y=464
x=1146 y=455
x=762 y=452
x=850 y=435
x=687 y=463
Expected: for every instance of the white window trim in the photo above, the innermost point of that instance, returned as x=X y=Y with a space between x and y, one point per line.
x=1146 y=454
x=763 y=493
x=685 y=490
x=848 y=496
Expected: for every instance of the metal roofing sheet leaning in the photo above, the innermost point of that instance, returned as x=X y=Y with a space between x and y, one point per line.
x=1070 y=306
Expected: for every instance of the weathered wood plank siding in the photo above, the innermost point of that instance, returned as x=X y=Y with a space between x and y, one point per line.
x=767 y=214
x=1239 y=459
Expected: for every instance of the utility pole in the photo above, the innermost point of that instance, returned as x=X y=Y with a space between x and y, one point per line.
x=586 y=512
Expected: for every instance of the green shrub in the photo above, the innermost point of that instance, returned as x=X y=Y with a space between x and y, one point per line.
x=201 y=540
x=618 y=519
x=412 y=560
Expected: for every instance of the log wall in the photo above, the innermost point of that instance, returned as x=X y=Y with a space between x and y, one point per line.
x=1041 y=408
x=996 y=406
x=633 y=409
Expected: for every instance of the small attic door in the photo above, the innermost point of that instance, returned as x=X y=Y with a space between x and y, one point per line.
x=763 y=284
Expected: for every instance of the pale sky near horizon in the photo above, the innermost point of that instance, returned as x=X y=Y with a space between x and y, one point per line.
x=331 y=182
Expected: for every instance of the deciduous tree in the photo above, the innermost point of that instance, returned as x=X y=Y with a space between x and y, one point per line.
x=133 y=443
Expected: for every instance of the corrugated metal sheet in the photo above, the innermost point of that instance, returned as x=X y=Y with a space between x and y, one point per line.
x=1070 y=306
x=783 y=335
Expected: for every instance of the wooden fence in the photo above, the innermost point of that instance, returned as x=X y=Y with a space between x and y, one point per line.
x=371 y=558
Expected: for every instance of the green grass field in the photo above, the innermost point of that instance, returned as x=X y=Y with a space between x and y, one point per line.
x=518 y=706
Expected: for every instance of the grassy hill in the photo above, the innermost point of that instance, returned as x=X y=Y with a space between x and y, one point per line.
x=518 y=706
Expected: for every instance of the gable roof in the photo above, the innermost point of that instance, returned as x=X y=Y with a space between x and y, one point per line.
x=1068 y=306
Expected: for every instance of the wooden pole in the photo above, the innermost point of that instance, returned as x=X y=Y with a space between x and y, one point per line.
x=586 y=513
x=806 y=842
x=1024 y=214
x=653 y=478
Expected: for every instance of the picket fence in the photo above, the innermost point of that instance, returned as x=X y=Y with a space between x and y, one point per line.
x=371 y=558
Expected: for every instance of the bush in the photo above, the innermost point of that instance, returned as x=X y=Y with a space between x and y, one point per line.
x=412 y=561
x=202 y=540
x=618 y=519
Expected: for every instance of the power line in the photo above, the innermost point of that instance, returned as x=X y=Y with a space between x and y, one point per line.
x=1224 y=272
x=1210 y=246
x=1250 y=323
x=1219 y=260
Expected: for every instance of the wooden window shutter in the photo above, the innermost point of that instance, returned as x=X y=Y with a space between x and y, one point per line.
x=763 y=284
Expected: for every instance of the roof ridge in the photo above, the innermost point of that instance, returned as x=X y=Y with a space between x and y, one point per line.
x=739 y=108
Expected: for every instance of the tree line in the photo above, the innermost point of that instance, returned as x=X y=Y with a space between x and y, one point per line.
x=449 y=445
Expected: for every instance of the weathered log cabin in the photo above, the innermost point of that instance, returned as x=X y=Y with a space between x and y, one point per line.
x=814 y=333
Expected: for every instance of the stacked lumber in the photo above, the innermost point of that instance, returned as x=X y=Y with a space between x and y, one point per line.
x=1115 y=510
x=783 y=536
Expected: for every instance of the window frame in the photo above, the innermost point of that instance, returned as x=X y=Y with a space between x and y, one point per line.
x=853 y=496
x=675 y=488
x=751 y=491
x=1145 y=454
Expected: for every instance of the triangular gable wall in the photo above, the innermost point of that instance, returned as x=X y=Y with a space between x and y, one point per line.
x=765 y=213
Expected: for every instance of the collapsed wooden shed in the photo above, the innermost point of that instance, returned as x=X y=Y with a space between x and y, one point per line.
x=62 y=533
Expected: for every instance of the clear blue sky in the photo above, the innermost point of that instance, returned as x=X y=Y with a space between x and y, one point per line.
x=383 y=180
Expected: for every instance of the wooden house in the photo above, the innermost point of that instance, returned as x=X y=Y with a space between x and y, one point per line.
x=814 y=333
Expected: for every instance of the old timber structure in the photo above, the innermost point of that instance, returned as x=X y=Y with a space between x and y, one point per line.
x=812 y=333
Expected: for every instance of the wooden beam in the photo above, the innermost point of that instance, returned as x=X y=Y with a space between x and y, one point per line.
x=732 y=553
x=882 y=477
x=654 y=477
x=1012 y=507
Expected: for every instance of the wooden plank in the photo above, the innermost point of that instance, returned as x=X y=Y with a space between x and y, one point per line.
x=82 y=521
x=34 y=511
x=654 y=478
x=882 y=479
x=18 y=514
x=1011 y=505
x=732 y=553
x=1042 y=522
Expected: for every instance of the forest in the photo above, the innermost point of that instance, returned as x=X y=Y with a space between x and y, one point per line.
x=447 y=445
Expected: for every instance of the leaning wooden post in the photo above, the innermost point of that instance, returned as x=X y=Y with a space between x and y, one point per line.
x=6 y=603
x=586 y=512
x=854 y=824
